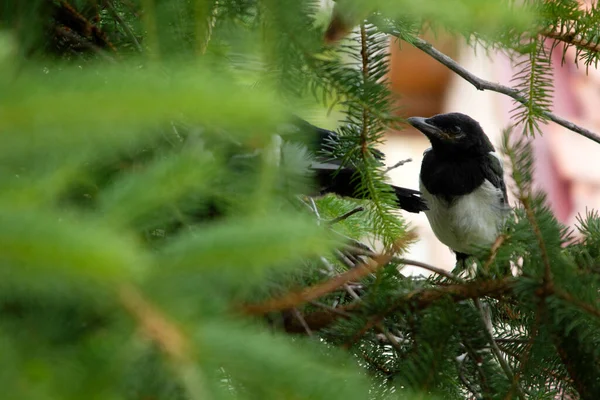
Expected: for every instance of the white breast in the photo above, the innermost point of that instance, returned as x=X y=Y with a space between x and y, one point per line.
x=472 y=220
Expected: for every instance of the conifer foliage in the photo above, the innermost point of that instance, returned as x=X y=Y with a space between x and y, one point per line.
x=159 y=237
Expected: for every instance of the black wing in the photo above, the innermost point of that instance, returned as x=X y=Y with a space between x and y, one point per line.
x=342 y=181
x=493 y=172
x=320 y=140
x=332 y=177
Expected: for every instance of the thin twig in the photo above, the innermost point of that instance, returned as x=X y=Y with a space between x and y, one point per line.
x=463 y=378
x=506 y=340
x=476 y=358
x=332 y=309
x=494 y=251
x=357 y=248
x=365 y=73
x=503 y=364
x=69 y=34
x=398 y=164
x=346 y=287
x=294 y=299
x=124 y=24
x=406 y=261
x=302 y=321
x=346 y=215
x=427 y=267
x=423 y=298
x=342 y=257
x=314 y=208
x=482 y=84
x=547 y=286
x=584 y=306
x=573 y=39
x=419 y=299
x=380 y=368
x=390 y=338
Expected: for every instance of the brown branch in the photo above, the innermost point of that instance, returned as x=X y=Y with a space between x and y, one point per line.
x=572 y=38
x=318 y=320
x=154 y=324
x=482 y=84
x=300 y=318
x=423 y=298
x=494 y=251
x=295 y=299
x=405 y=261
x=65 y=14
x=82 y=41
x=418 y=299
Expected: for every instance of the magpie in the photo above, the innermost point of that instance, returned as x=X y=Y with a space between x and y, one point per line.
x=332 y=175
x=462 y=181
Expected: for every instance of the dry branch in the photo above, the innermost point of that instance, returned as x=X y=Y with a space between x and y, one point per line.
x=482 y=84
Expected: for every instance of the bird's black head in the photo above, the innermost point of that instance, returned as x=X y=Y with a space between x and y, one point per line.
x=453 y=132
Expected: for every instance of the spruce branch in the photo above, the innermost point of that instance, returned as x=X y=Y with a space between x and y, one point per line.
x=294 y=299
x=494 y=251
x=83 y=42
x=464 y=380
x=572 y=38
x=482 y=84
x=390 y=338
x=406 y=261
x=498 y=354
x=346 y=215
x=302 y=321
x=130 y=33
x=420 y=299
x=535 y=84
x=588 y=308
x=428 y=267
x=155 y=325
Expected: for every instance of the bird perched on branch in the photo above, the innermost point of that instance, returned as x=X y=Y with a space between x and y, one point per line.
x=462 y=180
x=333 y=177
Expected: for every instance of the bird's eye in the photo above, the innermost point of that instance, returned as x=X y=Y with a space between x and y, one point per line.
x=455 y=130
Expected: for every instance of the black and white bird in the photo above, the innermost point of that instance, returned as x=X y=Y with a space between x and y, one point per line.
x=333 y=176
x=462 y=181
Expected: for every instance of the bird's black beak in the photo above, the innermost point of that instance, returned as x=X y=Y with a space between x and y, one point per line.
x=431 y=131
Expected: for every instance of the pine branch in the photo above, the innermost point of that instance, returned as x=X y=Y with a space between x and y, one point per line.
x=583 y=306
x=482 y=84
x=405 y=261
x=573 y=39
x=503 y=364
x=83 y=42
x=155 y=325
x=346 y=215
x=113 y=11
x=168 y=336
x=294 y=299
x=419 y=299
